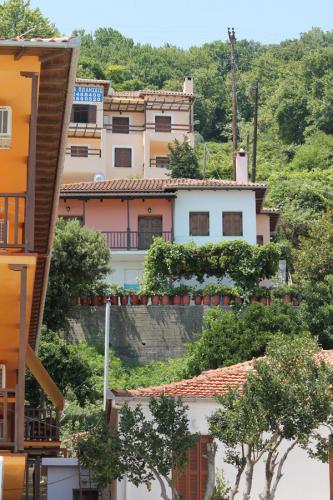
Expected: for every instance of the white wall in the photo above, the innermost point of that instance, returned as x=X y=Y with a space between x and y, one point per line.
x=126 y=267
x=214 y=202
x=303 y=478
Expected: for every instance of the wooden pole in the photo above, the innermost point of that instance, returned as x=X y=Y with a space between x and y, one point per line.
x=232 y=39
x=255 y=132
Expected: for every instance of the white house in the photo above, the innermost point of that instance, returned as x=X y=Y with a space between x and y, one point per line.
x=303 y=478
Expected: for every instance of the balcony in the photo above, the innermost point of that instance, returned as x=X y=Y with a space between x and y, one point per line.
x=82 y=152
x=134 y=240
x=12 y=221
x=159 y=162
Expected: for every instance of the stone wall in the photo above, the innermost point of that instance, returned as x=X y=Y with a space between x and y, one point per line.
x=139 y=333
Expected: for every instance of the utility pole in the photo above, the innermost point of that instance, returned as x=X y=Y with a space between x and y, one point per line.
x=255 y=132
x=204 y=161
x=232 y=40
x=106 y=352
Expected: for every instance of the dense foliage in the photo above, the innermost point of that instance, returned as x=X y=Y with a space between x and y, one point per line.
x=283 y=403
x=18 y=18
x=80 y=260
x=245 y=264
x=183 y=163
x=228 y=338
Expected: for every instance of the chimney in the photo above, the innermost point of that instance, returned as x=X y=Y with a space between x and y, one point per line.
x=242 y=170
x=188 y=85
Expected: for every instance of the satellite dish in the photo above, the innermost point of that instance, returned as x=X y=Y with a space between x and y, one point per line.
x=99 y=177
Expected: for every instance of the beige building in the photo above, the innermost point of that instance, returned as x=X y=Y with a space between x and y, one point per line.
x=118 y=134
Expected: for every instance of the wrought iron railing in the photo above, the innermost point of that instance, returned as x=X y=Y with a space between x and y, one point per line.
x=159 y=162
x=41 y=424
x=134 y=240
x=83 y=152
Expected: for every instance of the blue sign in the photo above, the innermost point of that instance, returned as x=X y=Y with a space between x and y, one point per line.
x=88 y=94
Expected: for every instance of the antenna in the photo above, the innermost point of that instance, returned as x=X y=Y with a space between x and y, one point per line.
x=255 y=132
x=232 y=40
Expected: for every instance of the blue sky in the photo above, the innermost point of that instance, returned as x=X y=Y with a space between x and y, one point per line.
x=191 y=22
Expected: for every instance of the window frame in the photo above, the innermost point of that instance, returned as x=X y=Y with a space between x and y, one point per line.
x=88 y=106
x=9 y=121
x=122 y=117
x=114 y=155
x=229 y=212
x=163 y=115
x=79 y=146
x=197 y=212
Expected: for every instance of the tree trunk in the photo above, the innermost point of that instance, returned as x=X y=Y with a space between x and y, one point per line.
x=279 y=470
x=164 y=494
x=248 y=475
x=211 y=452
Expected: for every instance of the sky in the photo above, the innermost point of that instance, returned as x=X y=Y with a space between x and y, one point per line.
x=191 y=22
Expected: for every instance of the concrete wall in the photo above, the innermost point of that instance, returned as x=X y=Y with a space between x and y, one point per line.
x=214 y=202
x=303 y=478
x=139 y=333
x=263 y=227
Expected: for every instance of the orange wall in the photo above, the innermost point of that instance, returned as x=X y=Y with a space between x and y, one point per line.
x=15 y=91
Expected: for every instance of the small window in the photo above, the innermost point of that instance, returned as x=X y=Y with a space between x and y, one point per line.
x=232 y=224
x=120 y=125
x=162 y=123
x=123 y=157
x=260 y=239
x=5 y=126
x=199 y=223
x=162 y=161
x=81 y=151
x=83 y=113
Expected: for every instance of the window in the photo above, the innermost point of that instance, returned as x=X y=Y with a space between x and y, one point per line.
x=123 y=157
x=83 y=113
x=232 y=224
x=81 y=151
x=120 y=125
x=5 y=126
x=192 y=480
x=162 y=123
x=162 y=161
x=260 y=239
x=199 y=223
x=3 y=231
x=86 y=494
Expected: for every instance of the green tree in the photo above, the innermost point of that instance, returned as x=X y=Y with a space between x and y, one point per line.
x=80 y=260
x=17 y=18
x=283 y=403
x=231 y=337
x=142 y=449
x=183 y=163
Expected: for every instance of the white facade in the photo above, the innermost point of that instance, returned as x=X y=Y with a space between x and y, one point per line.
x=214 y=202
x=63 y=479
x=127 y=268
x=303 y=478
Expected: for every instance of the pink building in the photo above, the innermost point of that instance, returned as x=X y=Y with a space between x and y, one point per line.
x=130 y=212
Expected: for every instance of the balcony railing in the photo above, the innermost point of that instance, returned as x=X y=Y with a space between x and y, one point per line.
x=12 y=220
x=7 y=413
x=159 y=162
x=123 y=129
x=174 y=127
x=83 y=152
x=134 y=240
x=41 y=424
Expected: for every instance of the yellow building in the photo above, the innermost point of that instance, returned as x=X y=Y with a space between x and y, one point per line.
x=36 y=83
x=118 y=134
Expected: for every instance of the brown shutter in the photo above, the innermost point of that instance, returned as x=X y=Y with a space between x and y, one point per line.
x=120 y=125
x=162 y=123
x=191 y=483
x=79 y=151
x=199 y=223
x=92 y=113
x=232 y=224
x=123 y=157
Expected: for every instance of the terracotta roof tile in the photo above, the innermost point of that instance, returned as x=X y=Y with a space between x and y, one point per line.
x=154 y=185
x=61 y=39
x=209 y=384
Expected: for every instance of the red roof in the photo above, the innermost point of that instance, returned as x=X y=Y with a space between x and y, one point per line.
x=209 y=384
x=155 y=185
x=55 y=39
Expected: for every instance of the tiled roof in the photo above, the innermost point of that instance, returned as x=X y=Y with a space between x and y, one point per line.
x=154 y=185
x=61 y=39
x=209 y=384
x=140 y=93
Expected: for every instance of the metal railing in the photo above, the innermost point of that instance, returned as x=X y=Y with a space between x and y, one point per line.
x=41 y=424
x=159 y=162
x=173 y=127
x=12 y=220
x=7 y=414
x=134 y=240
x=123 y=129
x=83 y=153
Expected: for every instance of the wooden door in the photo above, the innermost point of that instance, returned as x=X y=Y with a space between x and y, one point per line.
x=148 y=227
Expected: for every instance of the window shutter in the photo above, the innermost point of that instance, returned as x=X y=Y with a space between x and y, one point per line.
x=199 y=223
x=120 y=125
x=162 y=123
x=4 y=121
x=191 y=483
x=79 y=151
x=123 y=157
x=232 y=224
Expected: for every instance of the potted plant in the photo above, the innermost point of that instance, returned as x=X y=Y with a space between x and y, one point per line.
x=123 y=294
x=114 y=295
x=155 y=297
x=144 y=297
x=84 y=301
x=134 y=297
x=228 y=293
x=185 y=293
x=197 y=296
x=283 y=292
x=262 y=295
x=165 y=294
x=238 y=296
x=213 y=290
